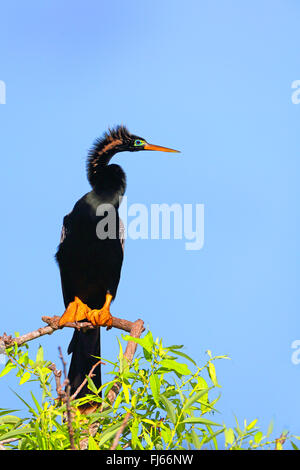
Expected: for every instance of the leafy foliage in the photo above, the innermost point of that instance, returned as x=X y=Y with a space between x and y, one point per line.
x=170 y=401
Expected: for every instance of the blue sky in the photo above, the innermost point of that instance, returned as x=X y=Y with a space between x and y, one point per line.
x=212 y=79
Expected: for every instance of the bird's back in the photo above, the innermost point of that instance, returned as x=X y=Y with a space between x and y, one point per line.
x=88 y=264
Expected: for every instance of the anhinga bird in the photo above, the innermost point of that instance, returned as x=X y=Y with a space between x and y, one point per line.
x=89 y=266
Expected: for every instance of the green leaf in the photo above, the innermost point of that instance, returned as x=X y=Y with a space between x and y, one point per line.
x=178 y=367
x=147 y=439
x=10 y=419
x=195 y=420
x=38 y=407
x=147 y=355
x=126 y=393
x=91 y=385
x=213 y=435
x=96 y=416
x=23 y=359
x=134 y=428
x=270 y=428
x=39 y=355
x=16 y=432
x=258 y=437
x=179 y=353
x=109 y=433
x=170 y=409
x=121 y=354
x=212 y=374
x=149 y=421
x=27 y=404
x=92 y=444
x=6 y=411
x=166 y=434
x=155 y=387
x=201 y=385
x=148 y=338
x=222 y=357
x=238 y=429
x=229 y=436
x=134 y=399
x=8 y=367
x=195 y=397
x=195 y=439
x=26 y=376
x=118 y=400
x=144 y=342
x=251 y=425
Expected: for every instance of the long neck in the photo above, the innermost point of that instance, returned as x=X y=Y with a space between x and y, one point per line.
x=111 y=184
x=100 y=155
x=108 y=181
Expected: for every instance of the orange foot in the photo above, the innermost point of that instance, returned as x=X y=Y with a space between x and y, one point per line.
x=78 y=311
x=75 y=311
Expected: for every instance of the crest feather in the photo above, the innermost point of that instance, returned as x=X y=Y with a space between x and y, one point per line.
x=100 y=152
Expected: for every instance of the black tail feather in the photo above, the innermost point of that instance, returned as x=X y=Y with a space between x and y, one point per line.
x=83 y=346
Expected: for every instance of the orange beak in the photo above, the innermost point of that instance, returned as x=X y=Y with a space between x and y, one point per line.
x=159 y=148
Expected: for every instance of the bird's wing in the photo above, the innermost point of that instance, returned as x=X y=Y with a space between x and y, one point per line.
x=67 y=291
x=122 y=234
x=63 y=234
x=64 y=229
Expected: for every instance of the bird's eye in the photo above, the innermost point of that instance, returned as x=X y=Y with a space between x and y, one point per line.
x=138 y=142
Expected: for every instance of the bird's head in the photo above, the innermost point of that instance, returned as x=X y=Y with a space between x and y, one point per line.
x=135 y=143
x=118 y=139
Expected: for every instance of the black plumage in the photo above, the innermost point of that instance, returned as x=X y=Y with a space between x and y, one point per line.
x=90 y=266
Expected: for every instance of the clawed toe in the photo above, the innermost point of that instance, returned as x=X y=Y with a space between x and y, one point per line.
x=76 y=311
x=100 y=317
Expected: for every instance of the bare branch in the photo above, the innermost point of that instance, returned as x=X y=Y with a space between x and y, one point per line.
x=85 y=380
x=118 y=435
x=67 y=398
x=57 y=375
x=53 y=325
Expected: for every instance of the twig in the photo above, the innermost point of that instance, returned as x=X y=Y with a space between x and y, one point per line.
x=279 y=442
x=57 y=375
x=85 y=380
x=136 y=331
x=118 y=435
x=68 y=406
x=7 y=441
x=7 y=341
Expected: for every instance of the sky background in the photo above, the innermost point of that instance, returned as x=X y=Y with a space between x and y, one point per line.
x=211 y=78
